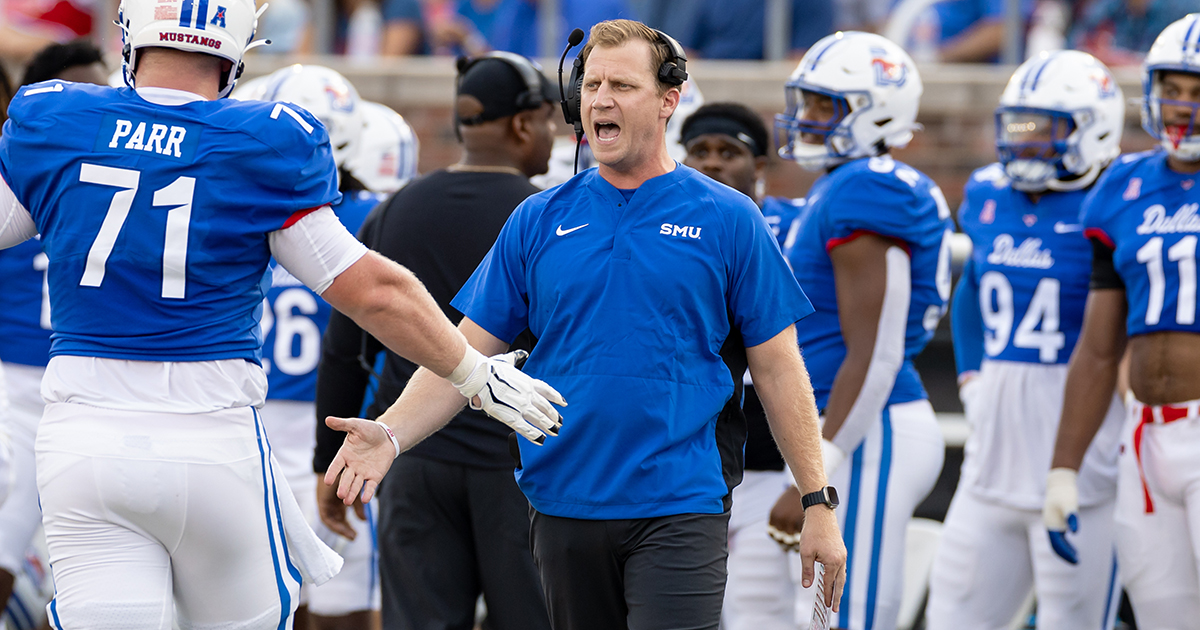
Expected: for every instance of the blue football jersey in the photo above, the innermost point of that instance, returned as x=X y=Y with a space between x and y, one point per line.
x=1030 y=266
x=295 y=317
x=156 y=218
x=24 y=305
x=1148 y=214
x=875 y=196
x=780 y=212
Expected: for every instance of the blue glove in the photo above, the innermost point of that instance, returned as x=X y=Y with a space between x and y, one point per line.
x=1060 y=512
x=1060 y=544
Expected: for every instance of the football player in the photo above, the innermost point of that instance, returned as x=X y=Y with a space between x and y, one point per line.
x=1142 y=219
x=295 y=318
x=729 y=143
x=160 y=206
x=25 y=345
x=872 y=242
x=1016 y=318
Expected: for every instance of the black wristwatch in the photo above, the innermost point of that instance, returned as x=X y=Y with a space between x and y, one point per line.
x=826 y=496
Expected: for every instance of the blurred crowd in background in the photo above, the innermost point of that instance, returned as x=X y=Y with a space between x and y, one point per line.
x=1119 y=32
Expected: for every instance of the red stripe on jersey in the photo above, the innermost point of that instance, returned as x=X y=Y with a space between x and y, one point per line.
x=300 y=214
x=1101 y=236
x=835 y=242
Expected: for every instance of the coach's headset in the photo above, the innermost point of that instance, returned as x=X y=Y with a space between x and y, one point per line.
x=531 y=75
x=673 y=71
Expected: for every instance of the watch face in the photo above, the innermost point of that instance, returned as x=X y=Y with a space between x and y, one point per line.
x=832 y=496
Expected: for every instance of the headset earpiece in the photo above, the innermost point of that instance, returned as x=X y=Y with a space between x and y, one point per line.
x=573 y=112
x=673 y=71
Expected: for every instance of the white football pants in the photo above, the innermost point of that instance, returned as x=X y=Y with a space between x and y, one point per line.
x=291 y=426
x=991 y=555
x=155 y=517
x=1159 y=552
x=880 y=484
x=20 y=514
x=759 y=594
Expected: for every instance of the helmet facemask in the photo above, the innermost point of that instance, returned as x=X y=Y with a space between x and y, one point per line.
x=1038 y=146
x=1177 y=130
x=815 y=130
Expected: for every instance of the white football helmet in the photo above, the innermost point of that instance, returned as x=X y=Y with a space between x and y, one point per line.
x=252 y=89
x=1177 y=49
x=1059 y=122
x=223 y=28
x=875 y=89
x=328 y=96
x=387 y=156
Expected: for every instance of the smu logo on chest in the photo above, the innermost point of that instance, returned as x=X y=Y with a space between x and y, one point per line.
x=125 y=134
x=682 y=231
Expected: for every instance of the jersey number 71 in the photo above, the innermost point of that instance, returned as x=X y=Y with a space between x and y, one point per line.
x=177 y=195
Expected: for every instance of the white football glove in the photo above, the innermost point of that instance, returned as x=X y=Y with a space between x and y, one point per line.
x=1060 y=512
x=508 y=394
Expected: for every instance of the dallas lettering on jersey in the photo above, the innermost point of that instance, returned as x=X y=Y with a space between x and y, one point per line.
x=1029 y=255
x=120 y=134
x=187 y=38
x=1156 y=221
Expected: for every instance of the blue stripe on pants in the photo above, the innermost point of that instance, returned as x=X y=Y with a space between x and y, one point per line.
x=885 y=467
x=285 y=597
x=848 y=536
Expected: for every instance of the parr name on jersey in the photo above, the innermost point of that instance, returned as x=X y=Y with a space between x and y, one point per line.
x=125 y=134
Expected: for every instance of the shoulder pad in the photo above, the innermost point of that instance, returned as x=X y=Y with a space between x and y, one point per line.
x=282 y=126
x=49 y=98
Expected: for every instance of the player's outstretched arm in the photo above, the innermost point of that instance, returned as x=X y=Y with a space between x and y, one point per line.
x=426 y=405
x=783 y=385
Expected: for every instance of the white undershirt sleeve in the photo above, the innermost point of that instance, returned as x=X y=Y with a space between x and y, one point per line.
x=886 y=357
x=316 y=249
x=16 y=224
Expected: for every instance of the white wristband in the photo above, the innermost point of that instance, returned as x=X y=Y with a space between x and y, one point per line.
x=466 y=367
x=392 y=437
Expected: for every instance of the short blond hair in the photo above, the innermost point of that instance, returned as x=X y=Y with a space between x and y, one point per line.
x=614 y=33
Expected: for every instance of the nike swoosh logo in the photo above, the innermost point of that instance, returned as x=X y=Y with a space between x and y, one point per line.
x=1064 y=228
x=562 y=232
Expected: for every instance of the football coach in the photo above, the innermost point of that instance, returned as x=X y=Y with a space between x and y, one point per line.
x=649 y=288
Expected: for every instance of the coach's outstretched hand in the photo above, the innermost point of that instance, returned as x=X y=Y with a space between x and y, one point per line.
x=364 y=458
x=821 y=541
x=495 y=385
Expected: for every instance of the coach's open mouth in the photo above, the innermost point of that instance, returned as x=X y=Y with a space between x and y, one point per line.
x=607 y=131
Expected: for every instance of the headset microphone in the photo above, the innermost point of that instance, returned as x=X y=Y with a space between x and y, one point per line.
x=573 y=119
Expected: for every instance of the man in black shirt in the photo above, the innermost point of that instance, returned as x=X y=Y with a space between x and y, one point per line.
x=729 y=143
x=453 y=523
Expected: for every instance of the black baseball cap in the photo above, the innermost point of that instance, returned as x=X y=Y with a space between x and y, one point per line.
x=502 y=82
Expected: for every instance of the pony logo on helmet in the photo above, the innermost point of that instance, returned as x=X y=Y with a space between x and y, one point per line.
x=225 y=31
x=887 y=72
x=1177 y=49
x=872 y=88
x=1059 y=122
